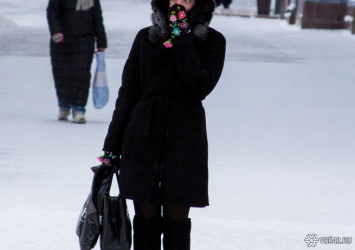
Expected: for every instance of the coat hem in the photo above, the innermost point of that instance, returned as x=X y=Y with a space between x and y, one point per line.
x=192 y=204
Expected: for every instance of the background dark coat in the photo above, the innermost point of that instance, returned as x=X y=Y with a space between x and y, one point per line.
x=71 y=60
x=159 y=124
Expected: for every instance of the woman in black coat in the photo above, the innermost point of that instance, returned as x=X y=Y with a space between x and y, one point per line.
x=158 y=128
x=74 y=25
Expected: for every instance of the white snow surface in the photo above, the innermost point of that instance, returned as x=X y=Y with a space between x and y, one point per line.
x=281 y=127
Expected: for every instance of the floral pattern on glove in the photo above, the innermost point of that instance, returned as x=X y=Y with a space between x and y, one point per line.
x=182 y=15
x=178 y=24
x=168 y=44
x=107 y=158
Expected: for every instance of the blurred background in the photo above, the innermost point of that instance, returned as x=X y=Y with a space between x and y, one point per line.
x=319 y=14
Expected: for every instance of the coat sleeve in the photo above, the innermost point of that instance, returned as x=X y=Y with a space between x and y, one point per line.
x=128 y=95
x=53 y=17
x=202 y=69
x=101 y=40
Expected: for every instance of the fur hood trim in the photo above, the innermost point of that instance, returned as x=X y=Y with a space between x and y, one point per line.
x=199 y=19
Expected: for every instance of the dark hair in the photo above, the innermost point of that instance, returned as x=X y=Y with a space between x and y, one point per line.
x=201 y=12
x=160 y=6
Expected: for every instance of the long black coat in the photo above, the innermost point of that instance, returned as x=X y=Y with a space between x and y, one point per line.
x=71 y=60
x=158 y=125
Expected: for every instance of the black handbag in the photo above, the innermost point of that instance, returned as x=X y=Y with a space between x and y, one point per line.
x=115 y=224
x=88 y=226
x=104 y=215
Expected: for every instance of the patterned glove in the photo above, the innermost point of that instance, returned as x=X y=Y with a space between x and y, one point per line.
x=178 y=24
x=108 y=158
x=58 y=38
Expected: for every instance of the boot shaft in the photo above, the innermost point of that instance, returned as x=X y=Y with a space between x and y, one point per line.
x=147 y=233
x=176 y=234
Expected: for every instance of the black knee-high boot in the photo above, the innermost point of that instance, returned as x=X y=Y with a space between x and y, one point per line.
x=147 y=233
x=176 y=234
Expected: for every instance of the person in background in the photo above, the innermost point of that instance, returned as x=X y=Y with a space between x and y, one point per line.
x=225 y=3
x=157 y=135
x=74 y=26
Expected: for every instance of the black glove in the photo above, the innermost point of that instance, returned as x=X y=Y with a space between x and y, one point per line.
x=178 y=24
x=108 y=158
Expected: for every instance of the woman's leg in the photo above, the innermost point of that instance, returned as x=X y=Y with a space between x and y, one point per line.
x=147 y=211
x=147 y=227
x=176 y=212
x=81 y=93
x=176 y=228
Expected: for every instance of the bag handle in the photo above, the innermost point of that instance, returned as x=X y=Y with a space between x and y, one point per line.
x=114 y=171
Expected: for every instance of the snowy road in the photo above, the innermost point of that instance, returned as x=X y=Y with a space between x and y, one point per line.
x=281 y=129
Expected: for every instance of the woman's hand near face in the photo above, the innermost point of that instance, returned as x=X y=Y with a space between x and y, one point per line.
x=178 y=24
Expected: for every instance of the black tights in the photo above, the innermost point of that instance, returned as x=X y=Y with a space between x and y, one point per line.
x=169 y=212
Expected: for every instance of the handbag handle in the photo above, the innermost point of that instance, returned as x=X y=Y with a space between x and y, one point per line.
x=114 y=171
x=106 y=192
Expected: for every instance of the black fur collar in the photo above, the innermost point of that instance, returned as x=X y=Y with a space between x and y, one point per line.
x=199 y=17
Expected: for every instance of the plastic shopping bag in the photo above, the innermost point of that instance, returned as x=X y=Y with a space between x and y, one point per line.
x=99 y=87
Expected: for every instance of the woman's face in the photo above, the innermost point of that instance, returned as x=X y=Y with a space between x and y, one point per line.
x=188 y=4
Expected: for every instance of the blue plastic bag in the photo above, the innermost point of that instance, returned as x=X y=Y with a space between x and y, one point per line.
x=99 y=87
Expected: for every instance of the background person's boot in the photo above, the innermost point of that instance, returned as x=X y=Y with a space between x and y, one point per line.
x=176 y=234
x=63 y=114
x=147 y=233
x=79 y=117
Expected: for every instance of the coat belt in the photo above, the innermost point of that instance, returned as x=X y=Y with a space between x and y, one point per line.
x=158 y=114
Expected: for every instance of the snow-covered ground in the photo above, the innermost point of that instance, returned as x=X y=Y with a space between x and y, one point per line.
x=281 y=126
